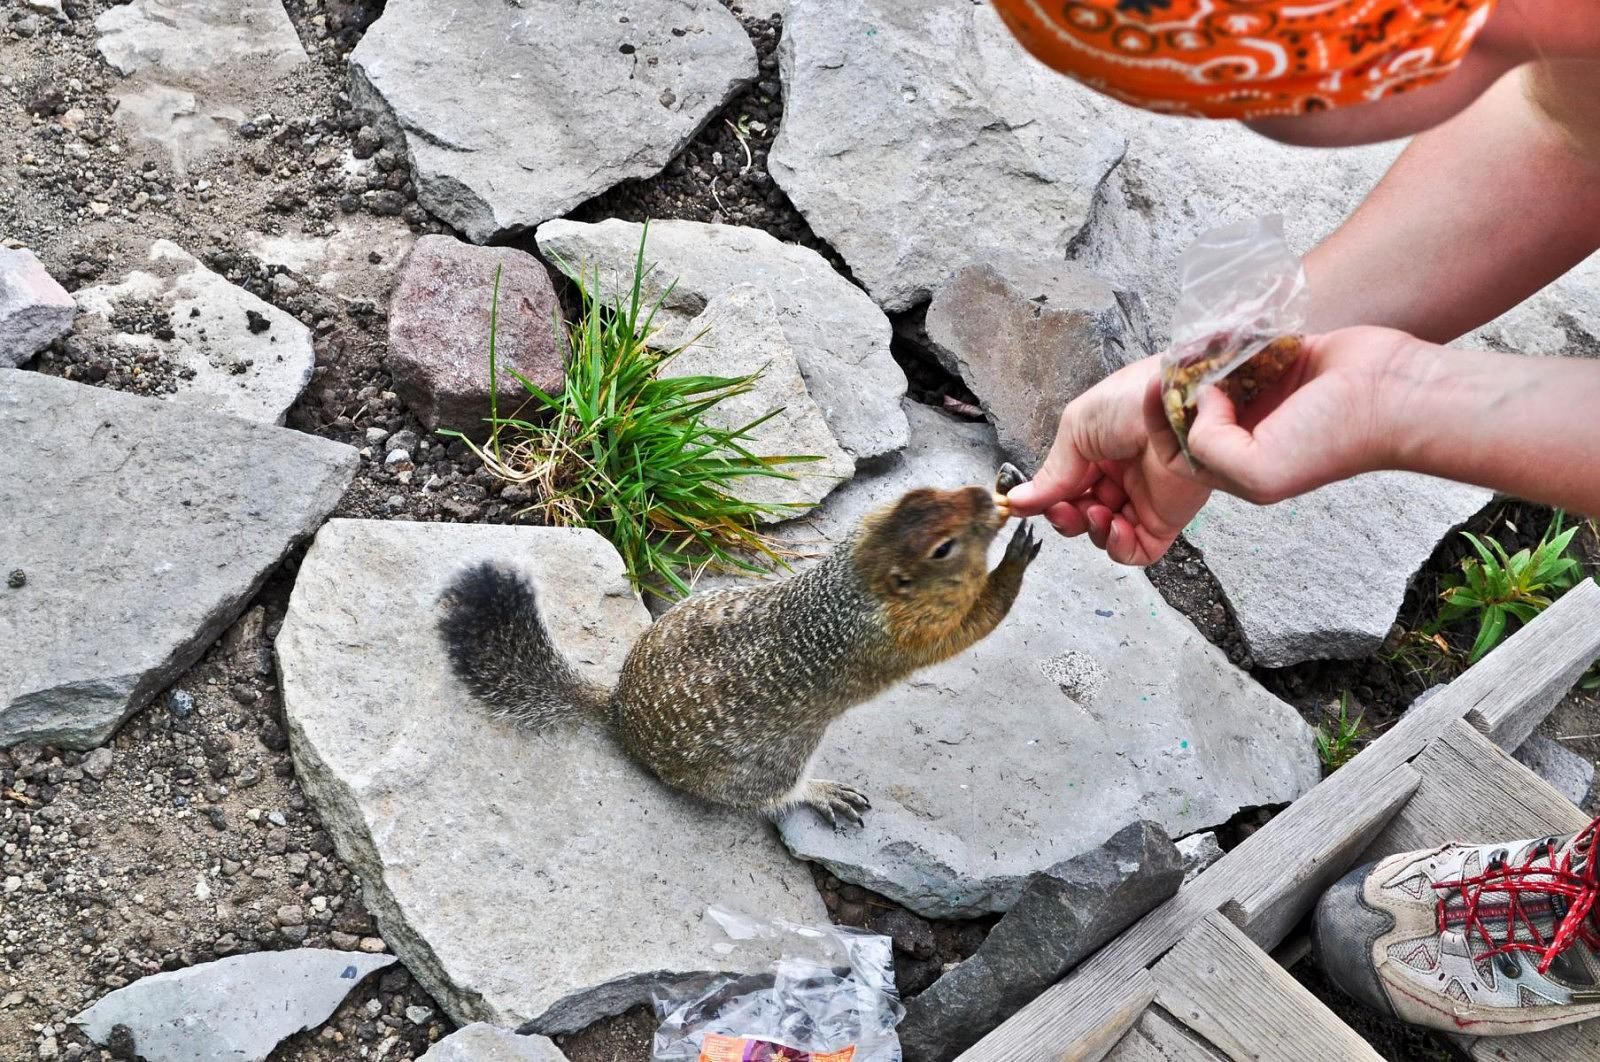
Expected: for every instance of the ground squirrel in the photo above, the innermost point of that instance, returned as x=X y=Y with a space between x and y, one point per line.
x=728 y=694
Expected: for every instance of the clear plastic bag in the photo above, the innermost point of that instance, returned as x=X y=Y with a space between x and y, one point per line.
x=830 y=998
x=1242 y=299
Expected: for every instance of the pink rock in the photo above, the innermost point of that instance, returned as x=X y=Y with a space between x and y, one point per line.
x=34 y=309
x=439 y=331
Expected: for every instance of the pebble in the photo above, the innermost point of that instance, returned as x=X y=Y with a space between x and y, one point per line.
x=373 y=945
x=97 y=764
x=180 y=703
x=17 y=579
x=276 y=818
x=419 y=1015
x=375 y=436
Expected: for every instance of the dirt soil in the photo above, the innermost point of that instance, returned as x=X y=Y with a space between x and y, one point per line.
x=191 y=839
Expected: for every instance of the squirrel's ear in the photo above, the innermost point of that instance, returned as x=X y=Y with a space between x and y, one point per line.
x=899 y=581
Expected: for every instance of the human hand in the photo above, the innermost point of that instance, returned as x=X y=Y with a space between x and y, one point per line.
x=1102 y=476
x=1333 y=415
x=1117 y=474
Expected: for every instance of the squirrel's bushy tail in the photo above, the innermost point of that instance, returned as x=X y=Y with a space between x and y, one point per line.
x=500 y=648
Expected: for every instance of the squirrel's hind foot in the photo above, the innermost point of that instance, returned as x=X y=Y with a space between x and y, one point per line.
x=834 y=800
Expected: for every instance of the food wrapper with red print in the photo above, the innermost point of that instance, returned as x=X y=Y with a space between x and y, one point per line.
x=830 y=998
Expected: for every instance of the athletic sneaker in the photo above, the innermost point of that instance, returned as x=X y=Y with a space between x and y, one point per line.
x=1489 y=939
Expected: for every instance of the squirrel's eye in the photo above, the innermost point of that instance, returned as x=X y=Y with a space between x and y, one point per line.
x=943 y=549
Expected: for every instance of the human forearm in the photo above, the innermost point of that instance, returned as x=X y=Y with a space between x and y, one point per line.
x=1475 y=216
x=1523 y=426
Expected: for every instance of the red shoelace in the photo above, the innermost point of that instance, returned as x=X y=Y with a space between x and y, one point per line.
x=1528 y=891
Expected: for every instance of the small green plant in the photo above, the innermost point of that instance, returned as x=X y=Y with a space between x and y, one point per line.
x=630 y=453
x=1497 y=587
x=1338 y=744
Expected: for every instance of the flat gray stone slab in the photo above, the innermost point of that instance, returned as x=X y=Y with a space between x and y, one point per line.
x=537 y=882
x=340 y=263
x=235 y=1009
x=1571 y=773
x=1094 y=703
x=196 y=67
x=585 y=96
x=485 y=1043
x=739 y=335
x=916 y=136
x=230 y=362
x=34 y=309
x=181 y=37
x=1028 y=335
x=1323 y=576
x=839 y=336
x=1178 y=180
x=142 y=528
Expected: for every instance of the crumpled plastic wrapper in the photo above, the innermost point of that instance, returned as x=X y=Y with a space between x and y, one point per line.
x=830 y=998
x=1241 y=310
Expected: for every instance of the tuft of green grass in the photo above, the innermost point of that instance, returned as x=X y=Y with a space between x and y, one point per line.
x=1338 y=744
x=1498 y=588
x=630 y=454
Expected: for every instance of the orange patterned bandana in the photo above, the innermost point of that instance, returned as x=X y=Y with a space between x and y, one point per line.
x=1248 y=58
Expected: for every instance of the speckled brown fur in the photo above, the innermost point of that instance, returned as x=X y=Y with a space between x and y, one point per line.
x=728 y=695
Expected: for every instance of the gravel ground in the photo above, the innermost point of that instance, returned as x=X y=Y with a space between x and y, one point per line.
x=188 y=837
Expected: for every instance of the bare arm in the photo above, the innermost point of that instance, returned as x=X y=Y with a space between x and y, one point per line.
x=1523 y=426
x=1475 y=216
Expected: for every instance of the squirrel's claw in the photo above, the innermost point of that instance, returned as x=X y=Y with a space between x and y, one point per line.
x=832 y=800
x=1024 y=545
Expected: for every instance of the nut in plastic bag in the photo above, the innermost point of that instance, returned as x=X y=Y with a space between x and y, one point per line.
x=830 y=998
x=1241 y=307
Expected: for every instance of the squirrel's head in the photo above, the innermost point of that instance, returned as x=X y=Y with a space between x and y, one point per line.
x=931 y=546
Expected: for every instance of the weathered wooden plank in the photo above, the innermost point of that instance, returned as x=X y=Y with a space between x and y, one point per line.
x=1219 y=983
x=1514 y=682
x=1171 y=1040
x=1279 y=896
x=1473 y=791
x=1068 y=1011
x=1133 y=1047
x=1104 y=1012
x=1521 y=687
x=1158 y=1037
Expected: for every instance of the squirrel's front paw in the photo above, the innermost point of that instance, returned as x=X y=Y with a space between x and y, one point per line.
x=1023 y=547
x=835 y=800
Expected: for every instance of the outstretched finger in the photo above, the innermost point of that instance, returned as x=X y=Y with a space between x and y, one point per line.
x=1065 y=474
